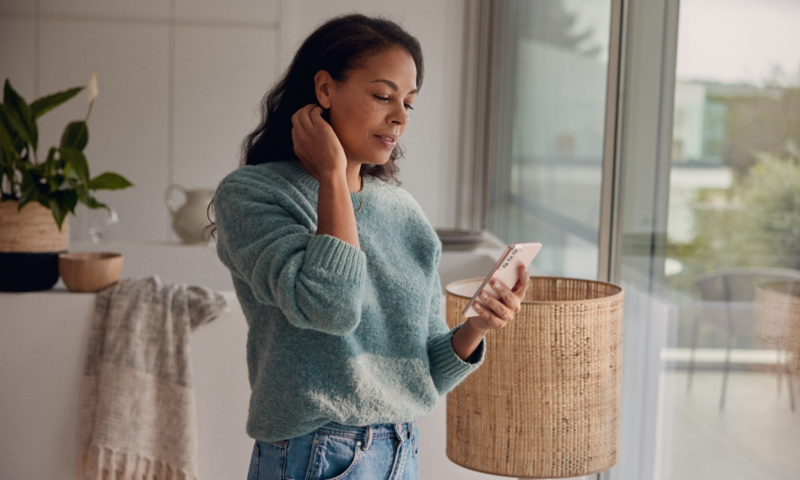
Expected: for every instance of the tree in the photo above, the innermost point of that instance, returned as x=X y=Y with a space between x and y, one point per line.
x=761 y=120
x=771 y=209
x=547 y=21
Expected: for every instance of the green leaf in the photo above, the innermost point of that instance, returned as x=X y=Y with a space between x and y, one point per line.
x=79 y=186
x=55 y=182
x=7 y=143
x=51 y=164
x=76 y=135
x=71 y=175
x=91 y=202
x=59 y=212
x=16 y=142
x=16 y=106
x=109 y=181
x=67 y=199
x=15 y=127
x=28 y=191
x=45 y=104
x=75 y=165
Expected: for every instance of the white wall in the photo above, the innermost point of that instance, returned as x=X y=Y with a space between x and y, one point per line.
x=180 y=84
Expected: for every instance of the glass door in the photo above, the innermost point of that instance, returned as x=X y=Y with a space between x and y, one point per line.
x=548 y=130
x=708 y=240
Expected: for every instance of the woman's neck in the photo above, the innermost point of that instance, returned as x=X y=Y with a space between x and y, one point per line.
x=353 y=174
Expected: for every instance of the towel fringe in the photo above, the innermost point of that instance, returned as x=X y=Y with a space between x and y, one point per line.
x=101 y=461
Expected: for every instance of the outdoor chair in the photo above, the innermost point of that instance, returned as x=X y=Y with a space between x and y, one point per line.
x=732 y=287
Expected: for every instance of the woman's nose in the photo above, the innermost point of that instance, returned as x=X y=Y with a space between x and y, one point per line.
x=399 y=115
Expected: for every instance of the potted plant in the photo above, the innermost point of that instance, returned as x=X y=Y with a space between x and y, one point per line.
x=38 y=192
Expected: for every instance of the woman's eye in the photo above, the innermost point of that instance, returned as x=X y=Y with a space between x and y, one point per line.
x=407 y=106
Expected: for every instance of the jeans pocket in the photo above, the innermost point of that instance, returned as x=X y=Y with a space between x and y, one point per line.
x=337 y=456
x=268 y=461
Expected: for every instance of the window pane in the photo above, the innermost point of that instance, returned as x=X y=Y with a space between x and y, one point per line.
x=714 y=289
x=545 y=183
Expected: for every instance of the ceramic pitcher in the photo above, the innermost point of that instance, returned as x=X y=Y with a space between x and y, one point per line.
x=189 y=219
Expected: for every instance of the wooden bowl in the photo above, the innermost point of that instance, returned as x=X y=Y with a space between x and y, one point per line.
x=90 y=271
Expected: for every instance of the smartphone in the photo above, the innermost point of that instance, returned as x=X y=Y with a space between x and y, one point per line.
x=505 y=270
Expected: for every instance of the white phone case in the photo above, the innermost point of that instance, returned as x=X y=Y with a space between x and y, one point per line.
x=505 y=270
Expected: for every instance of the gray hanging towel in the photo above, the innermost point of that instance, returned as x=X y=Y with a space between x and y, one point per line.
x=137 y=412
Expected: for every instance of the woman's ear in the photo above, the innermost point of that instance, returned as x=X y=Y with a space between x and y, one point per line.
x=323 y=85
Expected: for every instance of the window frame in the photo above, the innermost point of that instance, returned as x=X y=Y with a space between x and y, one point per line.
x=481 y=125
x=639 y=98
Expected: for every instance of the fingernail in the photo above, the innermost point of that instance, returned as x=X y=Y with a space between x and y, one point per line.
x=496 y=284
x=484 y=296
x=478 y=306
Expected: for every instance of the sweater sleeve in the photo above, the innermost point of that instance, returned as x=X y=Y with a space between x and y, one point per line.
x=447 y=368
x=317 y=281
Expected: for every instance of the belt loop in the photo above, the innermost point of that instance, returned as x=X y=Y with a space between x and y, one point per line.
x=369 y=438
x=413 y=425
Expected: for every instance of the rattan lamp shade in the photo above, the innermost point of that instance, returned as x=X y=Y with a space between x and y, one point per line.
x=546 y=401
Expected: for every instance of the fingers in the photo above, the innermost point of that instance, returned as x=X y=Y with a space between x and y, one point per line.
x=304 y=117
x=302 y=126
x=296 y=120
x=508 y=297
x=498 y=308
x=496 y=313
x=316 y=115
x=522 y=283
x=315 y=142
x=490 y=320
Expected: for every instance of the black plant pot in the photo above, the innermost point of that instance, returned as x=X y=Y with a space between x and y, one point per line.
x=30 y=242
x=28 y=272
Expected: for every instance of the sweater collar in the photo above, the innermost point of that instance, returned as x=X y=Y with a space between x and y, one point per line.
x=299 y=174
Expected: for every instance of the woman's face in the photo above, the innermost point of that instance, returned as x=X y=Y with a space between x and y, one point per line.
x=369 y=109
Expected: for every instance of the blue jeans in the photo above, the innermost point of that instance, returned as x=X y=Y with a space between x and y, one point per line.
x=337 y=452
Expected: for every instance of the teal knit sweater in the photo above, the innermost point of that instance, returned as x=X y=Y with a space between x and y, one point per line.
x=336 y=333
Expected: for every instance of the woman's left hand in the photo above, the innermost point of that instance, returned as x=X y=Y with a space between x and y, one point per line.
x=495 y=314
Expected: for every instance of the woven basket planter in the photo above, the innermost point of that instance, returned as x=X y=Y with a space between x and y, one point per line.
x=775 y=305
x=546 y=401
x=29 y=246
x=776 y=325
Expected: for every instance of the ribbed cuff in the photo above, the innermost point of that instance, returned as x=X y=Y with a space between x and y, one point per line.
x=337 y=257
x=443 y=356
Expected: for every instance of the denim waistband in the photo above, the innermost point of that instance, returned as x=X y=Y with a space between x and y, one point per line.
x=367 y=433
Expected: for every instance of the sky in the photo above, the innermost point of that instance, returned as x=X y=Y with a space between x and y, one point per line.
x=728 y=41
x=738 y=41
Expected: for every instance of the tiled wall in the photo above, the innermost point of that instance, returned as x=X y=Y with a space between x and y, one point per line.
x=180 y=82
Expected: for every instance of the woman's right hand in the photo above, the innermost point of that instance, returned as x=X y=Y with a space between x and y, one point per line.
x=316 y=144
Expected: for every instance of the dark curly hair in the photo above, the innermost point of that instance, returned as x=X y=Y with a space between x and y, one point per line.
x=338 y=46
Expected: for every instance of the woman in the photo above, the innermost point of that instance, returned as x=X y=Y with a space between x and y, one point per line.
x=335 y=268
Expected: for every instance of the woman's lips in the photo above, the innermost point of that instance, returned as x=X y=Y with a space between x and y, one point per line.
x=389 y=142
